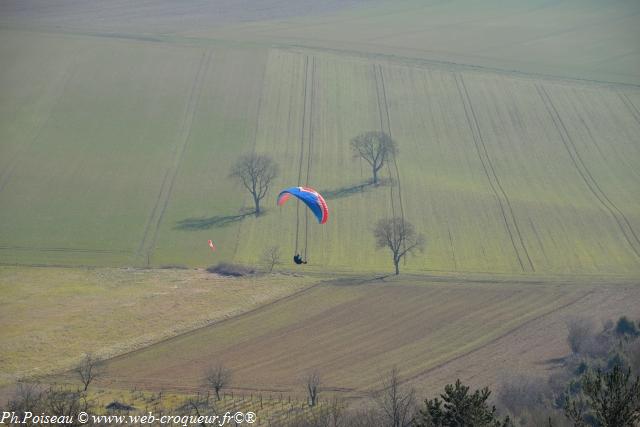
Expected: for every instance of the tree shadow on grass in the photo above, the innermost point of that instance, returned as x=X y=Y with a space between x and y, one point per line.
x=218 y=221
x=347 y=191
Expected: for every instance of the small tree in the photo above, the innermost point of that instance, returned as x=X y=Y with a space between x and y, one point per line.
x=375 y=148
x=312 y=383
x=397 y=404
x=88 y=370
x=271 y=257
x=458 y=407
x=256 y=173
x=399 y=236
x=611 y=398
x=217 y=378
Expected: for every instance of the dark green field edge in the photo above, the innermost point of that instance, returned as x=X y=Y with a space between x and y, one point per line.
x=623 y=223
x=150 y=234
x=504 y=204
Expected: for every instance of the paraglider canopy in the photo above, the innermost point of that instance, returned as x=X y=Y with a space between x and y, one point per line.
x=310 y=197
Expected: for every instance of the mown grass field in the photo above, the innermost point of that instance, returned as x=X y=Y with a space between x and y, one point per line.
x=52 y=316
x=353 y=331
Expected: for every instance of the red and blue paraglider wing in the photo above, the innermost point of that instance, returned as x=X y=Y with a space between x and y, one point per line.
x=310 y=197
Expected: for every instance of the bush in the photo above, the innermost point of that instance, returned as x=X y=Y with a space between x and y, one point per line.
x=626 y=327
x=233 y=270
x=580 y=333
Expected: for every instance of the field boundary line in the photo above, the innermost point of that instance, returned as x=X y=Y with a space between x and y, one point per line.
x=494 y=183
x=148 y=242
x=628 y=231
x=493 y=340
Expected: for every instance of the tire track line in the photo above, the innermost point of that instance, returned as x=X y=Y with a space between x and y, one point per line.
x=623 y=223
x=148 y=242
x=253 y=149
x=383 y=129
x=302 y=135
x=395 y=158
x=506 y=209
x=309 y=153
x=630 y=105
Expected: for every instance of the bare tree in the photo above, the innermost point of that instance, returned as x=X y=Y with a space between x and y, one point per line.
x=375 y=148
x=271 y=257
x=255 y=172
x=312 y=382
x=399 y=236
x=217 y=378
x=398 y=404
x=88 y=370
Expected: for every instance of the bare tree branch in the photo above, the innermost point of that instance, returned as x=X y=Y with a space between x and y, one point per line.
x=217 y=378
x=400 y=237
x=256 y=173
x=88 y=370
x=375 y=148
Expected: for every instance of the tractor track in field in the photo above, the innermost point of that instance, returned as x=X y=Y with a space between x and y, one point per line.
x=385 y=126
x=59 y=86
x=623 y=223
x=506 y=209
x=302 y=138
x=152 y=227
x=385 y=103
x=494 y=340
x=384 y=129
x=309 y=150
x=253 y=151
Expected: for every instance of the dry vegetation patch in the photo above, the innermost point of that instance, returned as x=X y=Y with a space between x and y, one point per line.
x=51 y=316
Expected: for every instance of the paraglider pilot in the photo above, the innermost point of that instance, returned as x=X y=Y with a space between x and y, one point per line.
x=298 y=259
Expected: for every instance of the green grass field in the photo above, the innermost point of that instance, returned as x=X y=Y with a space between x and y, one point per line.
x=502 y=173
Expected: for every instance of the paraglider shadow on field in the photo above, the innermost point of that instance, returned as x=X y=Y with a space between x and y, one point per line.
x=354 y=189
x=192 y=224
